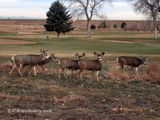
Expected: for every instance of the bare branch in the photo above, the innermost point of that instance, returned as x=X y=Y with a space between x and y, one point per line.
x=89 y=8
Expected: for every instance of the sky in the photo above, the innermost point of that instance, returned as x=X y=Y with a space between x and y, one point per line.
x=119 y=10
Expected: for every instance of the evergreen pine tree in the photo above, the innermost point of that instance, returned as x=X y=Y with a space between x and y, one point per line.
x=104 y=24
x=115 y=26
x=124 y=26
x=58 y=19
x=93 y=27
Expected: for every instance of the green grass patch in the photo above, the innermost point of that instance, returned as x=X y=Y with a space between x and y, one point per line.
x=73 y=45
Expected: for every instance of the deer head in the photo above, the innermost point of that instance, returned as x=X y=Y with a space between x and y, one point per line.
x=53 y=58
x=79 y=56
x=99 y=55
x=43 y=53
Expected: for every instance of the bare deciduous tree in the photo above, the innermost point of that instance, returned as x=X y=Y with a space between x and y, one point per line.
x=89 y=8
x=150 y=8
x=147 y=25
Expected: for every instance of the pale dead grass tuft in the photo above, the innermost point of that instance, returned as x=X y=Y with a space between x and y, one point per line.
x=126 y=110
x=75 y=100
x=6 y=67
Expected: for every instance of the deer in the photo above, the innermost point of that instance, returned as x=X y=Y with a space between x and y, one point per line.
x=31 y=60
x=50 y=59
x=70 y=64
x=44 y=62
x=92 y=65
x=134 y=62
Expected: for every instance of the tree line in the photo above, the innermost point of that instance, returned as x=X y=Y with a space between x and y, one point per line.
x=59 y=17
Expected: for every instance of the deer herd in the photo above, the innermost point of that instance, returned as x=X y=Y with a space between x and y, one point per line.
x=31 y=61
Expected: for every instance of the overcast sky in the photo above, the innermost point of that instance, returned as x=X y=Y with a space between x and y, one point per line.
x=120 y=9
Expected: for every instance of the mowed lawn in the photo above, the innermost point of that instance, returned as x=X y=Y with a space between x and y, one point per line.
x=117 y=97
x=70 y=45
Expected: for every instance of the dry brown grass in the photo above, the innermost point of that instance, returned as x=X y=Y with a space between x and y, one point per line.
x=116 y=74
x=6 y=67
x=6 y=41
x=152 y=73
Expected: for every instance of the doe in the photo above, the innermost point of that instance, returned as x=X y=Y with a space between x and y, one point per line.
x=134 y=62
x=70 y=64
x=93 y=65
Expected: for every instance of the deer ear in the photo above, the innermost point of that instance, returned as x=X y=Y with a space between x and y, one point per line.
x=41 y=50
x=147 y=58
x=76 y=54
x=102 y=53
x=83 y=54
x=141 y=58
x=94 y=53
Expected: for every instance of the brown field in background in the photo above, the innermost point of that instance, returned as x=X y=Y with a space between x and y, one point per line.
x=22 y=25
x=6 y=41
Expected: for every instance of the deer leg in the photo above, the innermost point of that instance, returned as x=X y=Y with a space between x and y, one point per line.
x=31 y=70
x=13 y=67
x=19 y=70
x=137 y=70
x=122 y=68
x=77 y=75
x=98 y=76
x=71 y=73
x=43 y=67
x=80 y=74
x=93 y=75
x=132 y=69
x=34 y=70
x=63 y=71
x=59 y=74
x=23 y=67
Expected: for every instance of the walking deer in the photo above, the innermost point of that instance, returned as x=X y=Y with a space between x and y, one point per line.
x=28 y=60
x=70 y=64
x=134 y=62
x=44 y=62
x=93 y=65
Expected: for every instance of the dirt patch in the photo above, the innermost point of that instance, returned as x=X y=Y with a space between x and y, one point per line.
x=116 y=41
x=6 y=41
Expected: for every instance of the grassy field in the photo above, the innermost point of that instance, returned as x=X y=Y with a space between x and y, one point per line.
x=69 y=45
x=116 y=96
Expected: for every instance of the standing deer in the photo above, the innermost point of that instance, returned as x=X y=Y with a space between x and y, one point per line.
x=70 y=64
x=28 y=60
x=93 y=65
x=134 y=62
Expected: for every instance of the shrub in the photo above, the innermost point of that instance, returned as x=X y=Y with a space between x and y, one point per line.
x=124 y=26
x=115 y=26
x=93 y=27
x=102 y=25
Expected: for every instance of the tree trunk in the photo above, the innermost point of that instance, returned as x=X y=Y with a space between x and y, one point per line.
x=58 y=35
x=155 y=28
x=155 y=32
x=89 y=28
